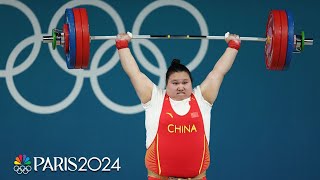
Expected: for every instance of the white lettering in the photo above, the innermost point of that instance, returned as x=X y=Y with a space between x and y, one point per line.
x=72 y=164
x=89 y=166
x=47 y=165
x=35 y=160
x=56 y=164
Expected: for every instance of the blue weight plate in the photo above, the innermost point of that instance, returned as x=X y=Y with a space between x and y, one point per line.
x=290 y=46
x=71 y=55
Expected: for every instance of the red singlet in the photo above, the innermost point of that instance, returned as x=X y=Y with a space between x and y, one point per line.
x=180 y=148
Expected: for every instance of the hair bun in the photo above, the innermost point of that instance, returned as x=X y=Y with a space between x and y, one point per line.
x=175 y=62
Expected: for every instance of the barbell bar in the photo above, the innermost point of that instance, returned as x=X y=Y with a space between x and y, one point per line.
x=280 y=40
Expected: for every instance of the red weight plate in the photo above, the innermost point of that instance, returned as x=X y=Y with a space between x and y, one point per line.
x=284 y=40
x=267 y=47
x=66 y=38
x=273 y=44
x=78 y=27
x=85 y=38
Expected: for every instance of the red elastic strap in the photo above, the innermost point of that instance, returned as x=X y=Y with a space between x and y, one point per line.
x=120 y=44
x=234 y=44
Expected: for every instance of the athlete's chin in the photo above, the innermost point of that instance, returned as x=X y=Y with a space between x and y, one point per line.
x=181 y=96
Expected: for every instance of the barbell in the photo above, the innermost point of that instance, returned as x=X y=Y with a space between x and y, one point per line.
x=280 y=40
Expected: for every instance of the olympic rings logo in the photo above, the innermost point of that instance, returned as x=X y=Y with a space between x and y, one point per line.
x=94 y=71
x=19 y=169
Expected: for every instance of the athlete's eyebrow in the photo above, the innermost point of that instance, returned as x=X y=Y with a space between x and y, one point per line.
x=180 y=80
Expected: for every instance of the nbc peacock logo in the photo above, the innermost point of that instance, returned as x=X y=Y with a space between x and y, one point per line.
x=22 y=164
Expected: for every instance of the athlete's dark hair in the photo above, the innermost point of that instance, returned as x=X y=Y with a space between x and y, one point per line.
x=177 y=67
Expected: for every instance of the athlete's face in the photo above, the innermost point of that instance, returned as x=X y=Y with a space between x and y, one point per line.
x=179 y=86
